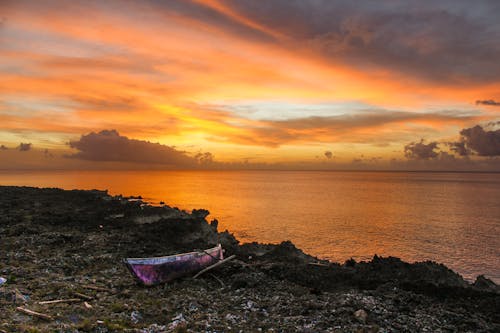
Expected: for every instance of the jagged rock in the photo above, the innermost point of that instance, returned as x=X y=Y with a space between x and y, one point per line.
x=56 y=249
x=361 y=316
x=484 y=283
x=200 y=213
x=135 y=317
x=177 y=321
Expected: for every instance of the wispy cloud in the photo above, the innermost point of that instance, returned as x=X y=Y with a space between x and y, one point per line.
x=353 y=127
x=488 y=102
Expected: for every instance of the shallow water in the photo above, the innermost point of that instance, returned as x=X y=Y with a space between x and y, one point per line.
x=453 y=218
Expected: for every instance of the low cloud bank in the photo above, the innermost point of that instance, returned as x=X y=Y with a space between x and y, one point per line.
x=109 y=145
x=473 y=141
x=476 y=149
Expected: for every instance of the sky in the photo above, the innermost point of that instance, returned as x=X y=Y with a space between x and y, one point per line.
x=250 y=84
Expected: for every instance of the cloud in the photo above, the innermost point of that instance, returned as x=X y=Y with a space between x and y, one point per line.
x=473 y=141
x=24 y=146
x=483 y=143
x=440 y=41
x=488 y=102
x=218 y=15
x=355 y=127
x=459 y=148
x=328 y=154
x=421 y=150
x=493 y=124
x=204 y=158
x=143 y=67
x=109 y=145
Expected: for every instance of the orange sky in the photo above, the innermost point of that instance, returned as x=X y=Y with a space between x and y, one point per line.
x=278 y=82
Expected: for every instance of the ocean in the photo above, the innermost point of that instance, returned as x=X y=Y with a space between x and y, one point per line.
x=451 y=218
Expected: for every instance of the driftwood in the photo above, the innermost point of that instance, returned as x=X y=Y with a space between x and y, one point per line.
x=83 y=296
x=19 y=296
x=34 y=314
x=96 y=288
x=214 y=265
x=219 y=280
x=56 y=301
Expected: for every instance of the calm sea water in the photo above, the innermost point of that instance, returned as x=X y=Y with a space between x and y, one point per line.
x=453 y=218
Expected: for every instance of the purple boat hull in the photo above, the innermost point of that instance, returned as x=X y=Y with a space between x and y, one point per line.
x=151 y=271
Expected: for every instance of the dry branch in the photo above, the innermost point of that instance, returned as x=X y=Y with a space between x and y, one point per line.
x=34 y=314
x=214 y=265
x=219 y=280
x=86 y=286
x=56 y=301
x=83 y=296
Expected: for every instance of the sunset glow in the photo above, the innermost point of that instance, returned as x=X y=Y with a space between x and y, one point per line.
x=272 y=84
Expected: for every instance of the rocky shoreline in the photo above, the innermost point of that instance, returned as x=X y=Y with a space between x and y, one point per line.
x=68 y=245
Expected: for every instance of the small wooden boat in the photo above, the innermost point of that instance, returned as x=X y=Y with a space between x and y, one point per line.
x=151 y=271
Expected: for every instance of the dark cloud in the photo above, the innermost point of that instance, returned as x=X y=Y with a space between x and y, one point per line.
x=488 y=102
x=109 y=145
x=459 y=148
x=421 y=150
x=481 y=142
x=24 y=146
x=473 y=141
x=204 y=158
x=493 y=124
x=204 y=13
x=441 y=41
x=328 y=154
